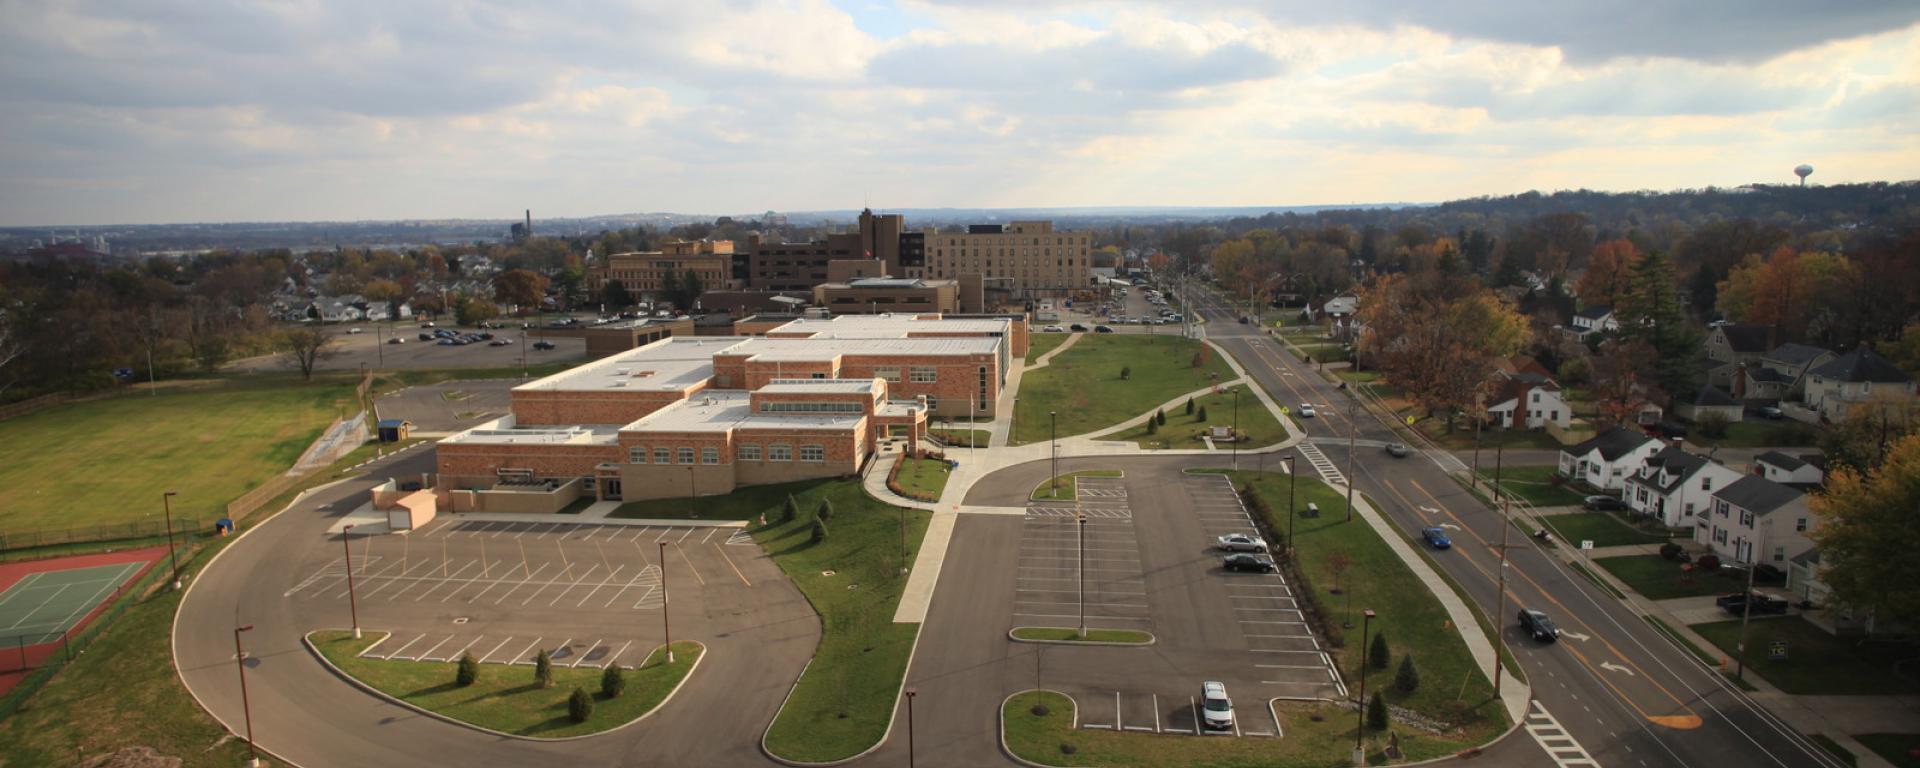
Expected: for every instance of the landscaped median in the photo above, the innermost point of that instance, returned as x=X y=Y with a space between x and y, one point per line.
x=1106 y=379
x=921 y=479
x=1072 y=636
x=844 y=701
x=505 y=698
x=1183 y=429
x=1066 y=487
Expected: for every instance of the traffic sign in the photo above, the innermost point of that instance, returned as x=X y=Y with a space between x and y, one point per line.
x=1409 y=421
x=1586 y=543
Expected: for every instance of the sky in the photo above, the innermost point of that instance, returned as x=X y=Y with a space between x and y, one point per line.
x=156 y=111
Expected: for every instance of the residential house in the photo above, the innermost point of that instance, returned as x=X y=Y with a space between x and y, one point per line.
x=1676 y=486
x=1757 y=520
x=1787 y=469
x=1528 y=399
x=1781 y=374
x=1606 y=460
x=1597 y=319
x=1730 y=345
x=336 y=309
x=1342 y=314
x=1709 y=401
x=1853 y=379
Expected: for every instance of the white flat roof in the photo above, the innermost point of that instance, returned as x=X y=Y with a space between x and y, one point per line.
x=888 y=326
x=502 y=432
x=810 y=386
x=722 y=410
x=673 y=363
x=678 y=362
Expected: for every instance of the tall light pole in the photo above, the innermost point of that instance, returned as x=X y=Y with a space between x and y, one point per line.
x=1746 y=611
x=166 y=503
x=666 y=627
x=1506 y=525
x=346 y=541
x=1352 y=428
x=910 y=694
x=1236 y=429
x=1360 y=714
x=1292 y=514
x=240 y=659
x=1053 y=448
x=1082 y=527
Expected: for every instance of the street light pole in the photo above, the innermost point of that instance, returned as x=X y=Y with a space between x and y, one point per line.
x=666 y=626
x=1351 y=429
x=240 y=659
x=1083 y=565
x=1292 y=514
x=1053 y=449
x=166 y=503
x=346 y=541
x=910 y=694
x=1236 y=429
x=1360 y=714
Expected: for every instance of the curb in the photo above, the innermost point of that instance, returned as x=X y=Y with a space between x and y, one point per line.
x=892 y=719
x=1152 y=639
x=307 y=640
x=1008 y=751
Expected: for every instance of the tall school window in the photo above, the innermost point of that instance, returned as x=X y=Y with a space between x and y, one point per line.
x=779 y=452
x=663 y=455
x=925 y=374
x=749 y=453
x=637 y=455
x=709 y=455
x=686 y=455
x=775 y=406
x=813 y=453
x=890 y=373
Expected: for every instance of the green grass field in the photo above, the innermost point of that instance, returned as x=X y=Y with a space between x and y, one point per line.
x=108 y=461
x=1603 y=529
x=1257 y=426
x=1084 y=387
x=1760 y=434
x=1407 y=612
x=958 y=439
x=923 y=477
x=1535 y=484
x=1817 y=663
x=505 y=698
x=1897 y=748
x=1658 y=578
x=1041 y=343
x=846 y=697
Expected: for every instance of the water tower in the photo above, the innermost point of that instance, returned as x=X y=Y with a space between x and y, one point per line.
x=1803 y=171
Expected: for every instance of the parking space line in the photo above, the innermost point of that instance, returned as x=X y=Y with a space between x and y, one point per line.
x=631 y=583
x=683 y=537
x=1117 y=719
x=730 y=564
x=444 y=582
x=612 y=575
x=517 y=658
x=583 y=656
x=496 y=649
x=688 y=561
x=574 y=583
x=710 y=532
x=436 y=646
x=392 y=580
x=1156 y=713
x=616 y=655
x=1194 y=707
x=521 y=583
x=1038 y=603
x=396 y=651
x=649 y=593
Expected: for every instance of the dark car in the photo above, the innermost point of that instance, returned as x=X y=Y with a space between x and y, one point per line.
x=1738 y=604
x=1102 y=329
x=485 y=336
x=1538 y=625
x=1244 y=562
x=1436 y=538
x=1604 y=503
x=1398 y=450
x=1077 y=328
x=447 y=342
x=543 y=344
x=396 y=340
x=499 y=342
x=426 y=337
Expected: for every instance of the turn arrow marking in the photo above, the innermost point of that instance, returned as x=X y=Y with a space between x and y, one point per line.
x=1612 y=667
x=1576 y=636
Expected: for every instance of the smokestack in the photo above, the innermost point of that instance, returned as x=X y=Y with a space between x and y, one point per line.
x=529 y=222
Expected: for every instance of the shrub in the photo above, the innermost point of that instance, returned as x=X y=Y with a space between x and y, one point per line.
x=1406 y=679
x=579 y=705
x=819 y=531
x=1189 y=406
x=1126 y=372
x=543 y=670
x=468 y=672
x=790 y=511
x=1203 y=414
x=1707 y=563
x=1377 y=712
x=613 y=682
x=1377 y=655
x=1153 y=426
x=1670 y=551
x=824 y=511
x=1711 y=425
x=1161 y=416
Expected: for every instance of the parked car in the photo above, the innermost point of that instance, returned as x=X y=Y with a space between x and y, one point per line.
x=485 y=336
x=1306 y=410
x=1102 y=329
x=1053 y=329
x=543 y=344
x=1398 y=450
x=1246 y=562
x=1077 y=328
x=427 y=324
x=356 y=330
x=1240 y=542
x=1243 y=320
x=1669 y=429
x=1772 y=412
x=1604 y=503
x=499 y=342
x=445 y=342
x=1739 y=603
x=426 y=337
x=1216 y=707
x=1538 y=625
x=1436 y=538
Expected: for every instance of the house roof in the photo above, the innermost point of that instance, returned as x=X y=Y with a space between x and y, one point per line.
x=1598 y=312
x=1762 y=373
x=1758 y=495
x=1747 y=338
x=1711 y=396
x=1676 y=464
x=1795 y=354
x=1781 y=460
x=1612 y=444
x=1862 y=364
x=1809 y=557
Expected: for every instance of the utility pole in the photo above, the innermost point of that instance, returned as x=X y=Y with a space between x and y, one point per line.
x=666 y=627
x=1083 y=563
x=1351 y=429
x=1506 y=524
x=1053 y=448
x=1236 y=429
x=1746 y=610
x=1479 y=415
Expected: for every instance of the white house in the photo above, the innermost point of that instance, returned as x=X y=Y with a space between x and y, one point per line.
x=1852 y=379
x=1598 y=319
x=1677 y=486
x=335 y=309
x=1786 y=470
x=1709 y=401
x=1731 y=345
x=1606 y=460
x=1781 y=373
x=1341 y=311
x=1531 y=400
x=1757 y=520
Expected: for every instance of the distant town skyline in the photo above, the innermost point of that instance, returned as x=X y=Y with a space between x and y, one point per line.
x=477 y=110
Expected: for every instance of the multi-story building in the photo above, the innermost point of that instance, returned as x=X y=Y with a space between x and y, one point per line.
x=704 y=415
x=645 y=273
x=874 y=295
x=1605 y=460
x=1026 y=259
x=1757 y=520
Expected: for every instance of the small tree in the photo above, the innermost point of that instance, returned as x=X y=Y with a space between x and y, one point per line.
x=579 y=705
x=469 y=671
x=790 y=511
x=613 y=682
x=1189 y=406
x=819 y=531
x=824 y=511
x=1378 y=656
x=1406 y=679
x=1161 y=416
x=1153 y=426
x=1126 y=372
x=543 y=670
x=1203 y=414
x=1377 y=712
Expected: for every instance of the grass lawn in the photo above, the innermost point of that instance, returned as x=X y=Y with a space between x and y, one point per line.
x=1453 y=689
x=923 y=477
x=505 y=698
x=1358 y=377
x=957 y=438
x=1041 y=343
x=1658 y=578
x=1760 y=434
x=1462 y=436
x=1328 y=742
x=1817 y=663
x=1896 y=748
x=1067 y=488
x=1603 y=529
x=846 y=697
x=1084 y=387
x=1833 y=748
x=1072 y=634
x=1535 y=484
x=107 y=461
x=1257 y=426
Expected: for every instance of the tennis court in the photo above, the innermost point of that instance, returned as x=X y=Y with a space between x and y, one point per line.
x=43 y=605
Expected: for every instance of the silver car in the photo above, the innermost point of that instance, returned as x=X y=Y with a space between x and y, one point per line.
x=1216 y=709
x=1240 y=542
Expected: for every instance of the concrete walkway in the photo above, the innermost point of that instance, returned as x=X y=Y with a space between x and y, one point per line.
x=875 y=483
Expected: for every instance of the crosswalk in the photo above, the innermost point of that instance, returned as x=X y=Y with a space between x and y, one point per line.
x=1552 y=737
x=1322 y=464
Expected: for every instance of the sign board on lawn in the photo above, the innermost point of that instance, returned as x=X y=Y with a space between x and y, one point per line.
x=1586 y=543
x=1777 y=650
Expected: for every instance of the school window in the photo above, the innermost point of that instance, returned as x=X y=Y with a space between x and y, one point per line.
x=813 y=453
x=890 y=373
x=709 y=455
x=925 y=374
x=779 y=452
x=663 y=455
x=749 y=453
x=686 y=455
x=637 y=455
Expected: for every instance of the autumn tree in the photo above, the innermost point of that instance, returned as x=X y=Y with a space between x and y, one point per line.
x=1438 y=348
x=1867 y=533
x=1863 y=438
x=614 y=294
x=1609 y=273
x=475 y=311
x=304 y=348
x=1796 y=292
x=519 y=287
x=1617 y=378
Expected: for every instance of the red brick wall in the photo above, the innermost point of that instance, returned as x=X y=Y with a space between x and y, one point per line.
x=537 y=407
x=460 y=462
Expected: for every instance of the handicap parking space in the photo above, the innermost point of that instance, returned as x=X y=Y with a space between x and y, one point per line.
x=1168 y=712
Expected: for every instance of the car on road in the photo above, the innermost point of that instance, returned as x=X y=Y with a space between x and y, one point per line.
x=1246 y=562
x=543 y=344
x=499 y=342
x=1397 y=450
x=1077 y=328
x=1738 y=604
x=1102 y=329
x=1538 y=625
x=1053 y=329
x=396 y=340
x=1436 y=538
x=1772 y=413
x=356 y=330
x=448 y=342
x=427 y=324
x=1604 y=503
x=1306 y=411
x=1240 y=542
x=1216 y=707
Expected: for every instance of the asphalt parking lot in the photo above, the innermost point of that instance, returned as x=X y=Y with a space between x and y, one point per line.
x=588 y=594
x=368 y=349
x=449 y=406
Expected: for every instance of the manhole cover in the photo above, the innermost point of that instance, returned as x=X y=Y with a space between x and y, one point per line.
x=460 y=620
x=826 y=573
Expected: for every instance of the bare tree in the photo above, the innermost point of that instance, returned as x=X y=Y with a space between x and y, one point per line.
x=12 y=344
x=304 y=348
